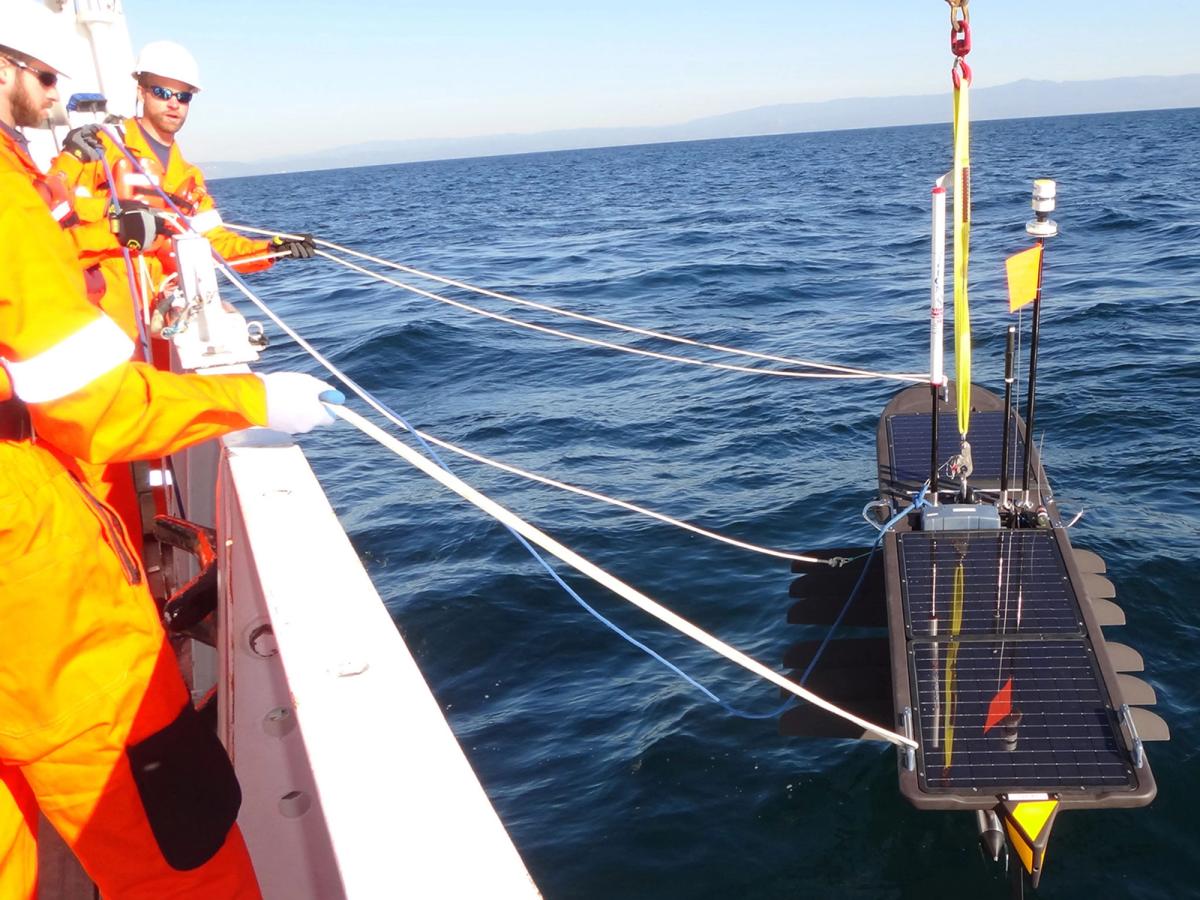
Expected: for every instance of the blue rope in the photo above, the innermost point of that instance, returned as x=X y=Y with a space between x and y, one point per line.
x=571 y=592
x=134 y=291
x=812 y=664
x=916 y=504
x=732 y=710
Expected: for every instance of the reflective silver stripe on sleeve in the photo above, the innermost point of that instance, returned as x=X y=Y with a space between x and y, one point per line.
x=205 y=221
x=74 y=362
x=61 y=211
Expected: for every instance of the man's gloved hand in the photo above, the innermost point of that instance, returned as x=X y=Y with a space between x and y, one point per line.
x=301 y=248
x=296 y=402
x=83 y=143
x=136 y=225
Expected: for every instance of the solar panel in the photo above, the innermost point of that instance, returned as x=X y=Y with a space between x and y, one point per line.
x=908 y=445
x=1015 y=715
x=986 y=583
x=995 y=668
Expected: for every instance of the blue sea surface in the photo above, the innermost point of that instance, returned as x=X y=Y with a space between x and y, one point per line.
x=615 y=778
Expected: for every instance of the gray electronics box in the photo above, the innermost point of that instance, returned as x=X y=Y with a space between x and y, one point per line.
x=960 y=517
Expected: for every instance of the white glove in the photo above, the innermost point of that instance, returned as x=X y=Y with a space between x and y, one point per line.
x=296 y=402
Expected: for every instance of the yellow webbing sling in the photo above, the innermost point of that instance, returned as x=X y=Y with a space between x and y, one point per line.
x=960 y=44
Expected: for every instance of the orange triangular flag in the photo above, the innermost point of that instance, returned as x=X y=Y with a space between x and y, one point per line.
x=1000 y=707
x=1023 y=276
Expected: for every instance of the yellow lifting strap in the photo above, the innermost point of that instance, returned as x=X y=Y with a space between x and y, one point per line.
x=950 y=709
x=962 y=241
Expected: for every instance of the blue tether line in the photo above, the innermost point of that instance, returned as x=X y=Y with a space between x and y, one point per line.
x=916 y=504
x=732 y=710
x=135 y=292
x=812 y=664
x=571 y=592
x=542 y=561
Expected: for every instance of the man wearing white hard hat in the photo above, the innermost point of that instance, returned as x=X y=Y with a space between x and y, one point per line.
x=148 y=165
x=31 y=70
x=168 y=81
x=96 y=726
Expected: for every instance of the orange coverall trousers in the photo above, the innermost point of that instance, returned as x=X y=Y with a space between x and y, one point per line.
x=96 y=726
x=70 y=708
x=105 y=720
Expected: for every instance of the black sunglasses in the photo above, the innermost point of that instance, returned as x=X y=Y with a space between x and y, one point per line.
x=47 y=79
x=163 y=93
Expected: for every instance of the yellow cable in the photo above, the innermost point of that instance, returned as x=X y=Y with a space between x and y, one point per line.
x=956 y=615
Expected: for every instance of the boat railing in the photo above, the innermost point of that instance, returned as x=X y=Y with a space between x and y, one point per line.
x=353 y=783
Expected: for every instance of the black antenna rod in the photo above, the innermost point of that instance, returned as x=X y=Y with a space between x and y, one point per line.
x=934 y=390
x=1042 y=227
x=1008 y=385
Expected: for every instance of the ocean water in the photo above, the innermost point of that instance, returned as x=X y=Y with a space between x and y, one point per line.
x=615 y=778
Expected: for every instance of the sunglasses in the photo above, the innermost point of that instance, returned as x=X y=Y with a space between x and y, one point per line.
x=163 y=93
x=46 y=79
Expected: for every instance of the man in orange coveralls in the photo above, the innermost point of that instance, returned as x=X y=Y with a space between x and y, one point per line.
x=96 y=726
x=168 y=79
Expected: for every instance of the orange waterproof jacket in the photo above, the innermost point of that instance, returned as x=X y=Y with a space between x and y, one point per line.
x=181 y=180
x=62 y=647
x=69 y=362
x=86 y=675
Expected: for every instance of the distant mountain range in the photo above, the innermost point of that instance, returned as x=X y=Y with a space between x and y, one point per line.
x=1020 y=99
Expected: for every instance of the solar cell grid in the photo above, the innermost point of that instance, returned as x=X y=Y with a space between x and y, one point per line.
x=908 y=439
x=988 y=582
x=1012 y=715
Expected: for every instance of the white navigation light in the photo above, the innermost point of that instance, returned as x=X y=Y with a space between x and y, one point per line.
x=1045 y=192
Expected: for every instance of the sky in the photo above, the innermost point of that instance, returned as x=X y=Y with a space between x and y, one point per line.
x=282 y=78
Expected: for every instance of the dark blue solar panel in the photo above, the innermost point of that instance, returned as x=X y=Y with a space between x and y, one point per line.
x=1015 y=715
x=986 y=583
x=908 y=445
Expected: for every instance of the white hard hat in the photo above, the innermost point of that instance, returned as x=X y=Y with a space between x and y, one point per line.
x=166 y=59
x=30 y=29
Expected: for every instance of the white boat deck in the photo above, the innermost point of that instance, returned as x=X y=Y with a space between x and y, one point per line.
x=353 y=783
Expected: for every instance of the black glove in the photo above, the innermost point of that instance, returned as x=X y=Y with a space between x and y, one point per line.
x=136 y=225
x=302 y=248
x=83 y=143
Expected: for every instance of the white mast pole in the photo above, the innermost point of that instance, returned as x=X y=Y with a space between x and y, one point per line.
x=937 y=304
x=937 y=298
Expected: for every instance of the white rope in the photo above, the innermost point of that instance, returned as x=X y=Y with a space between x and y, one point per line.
x=262 y=257
x=547 y=543
x=524 y=473
x=614 y=584
x=842 y=371
x=623 y=504
x=595 y=342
